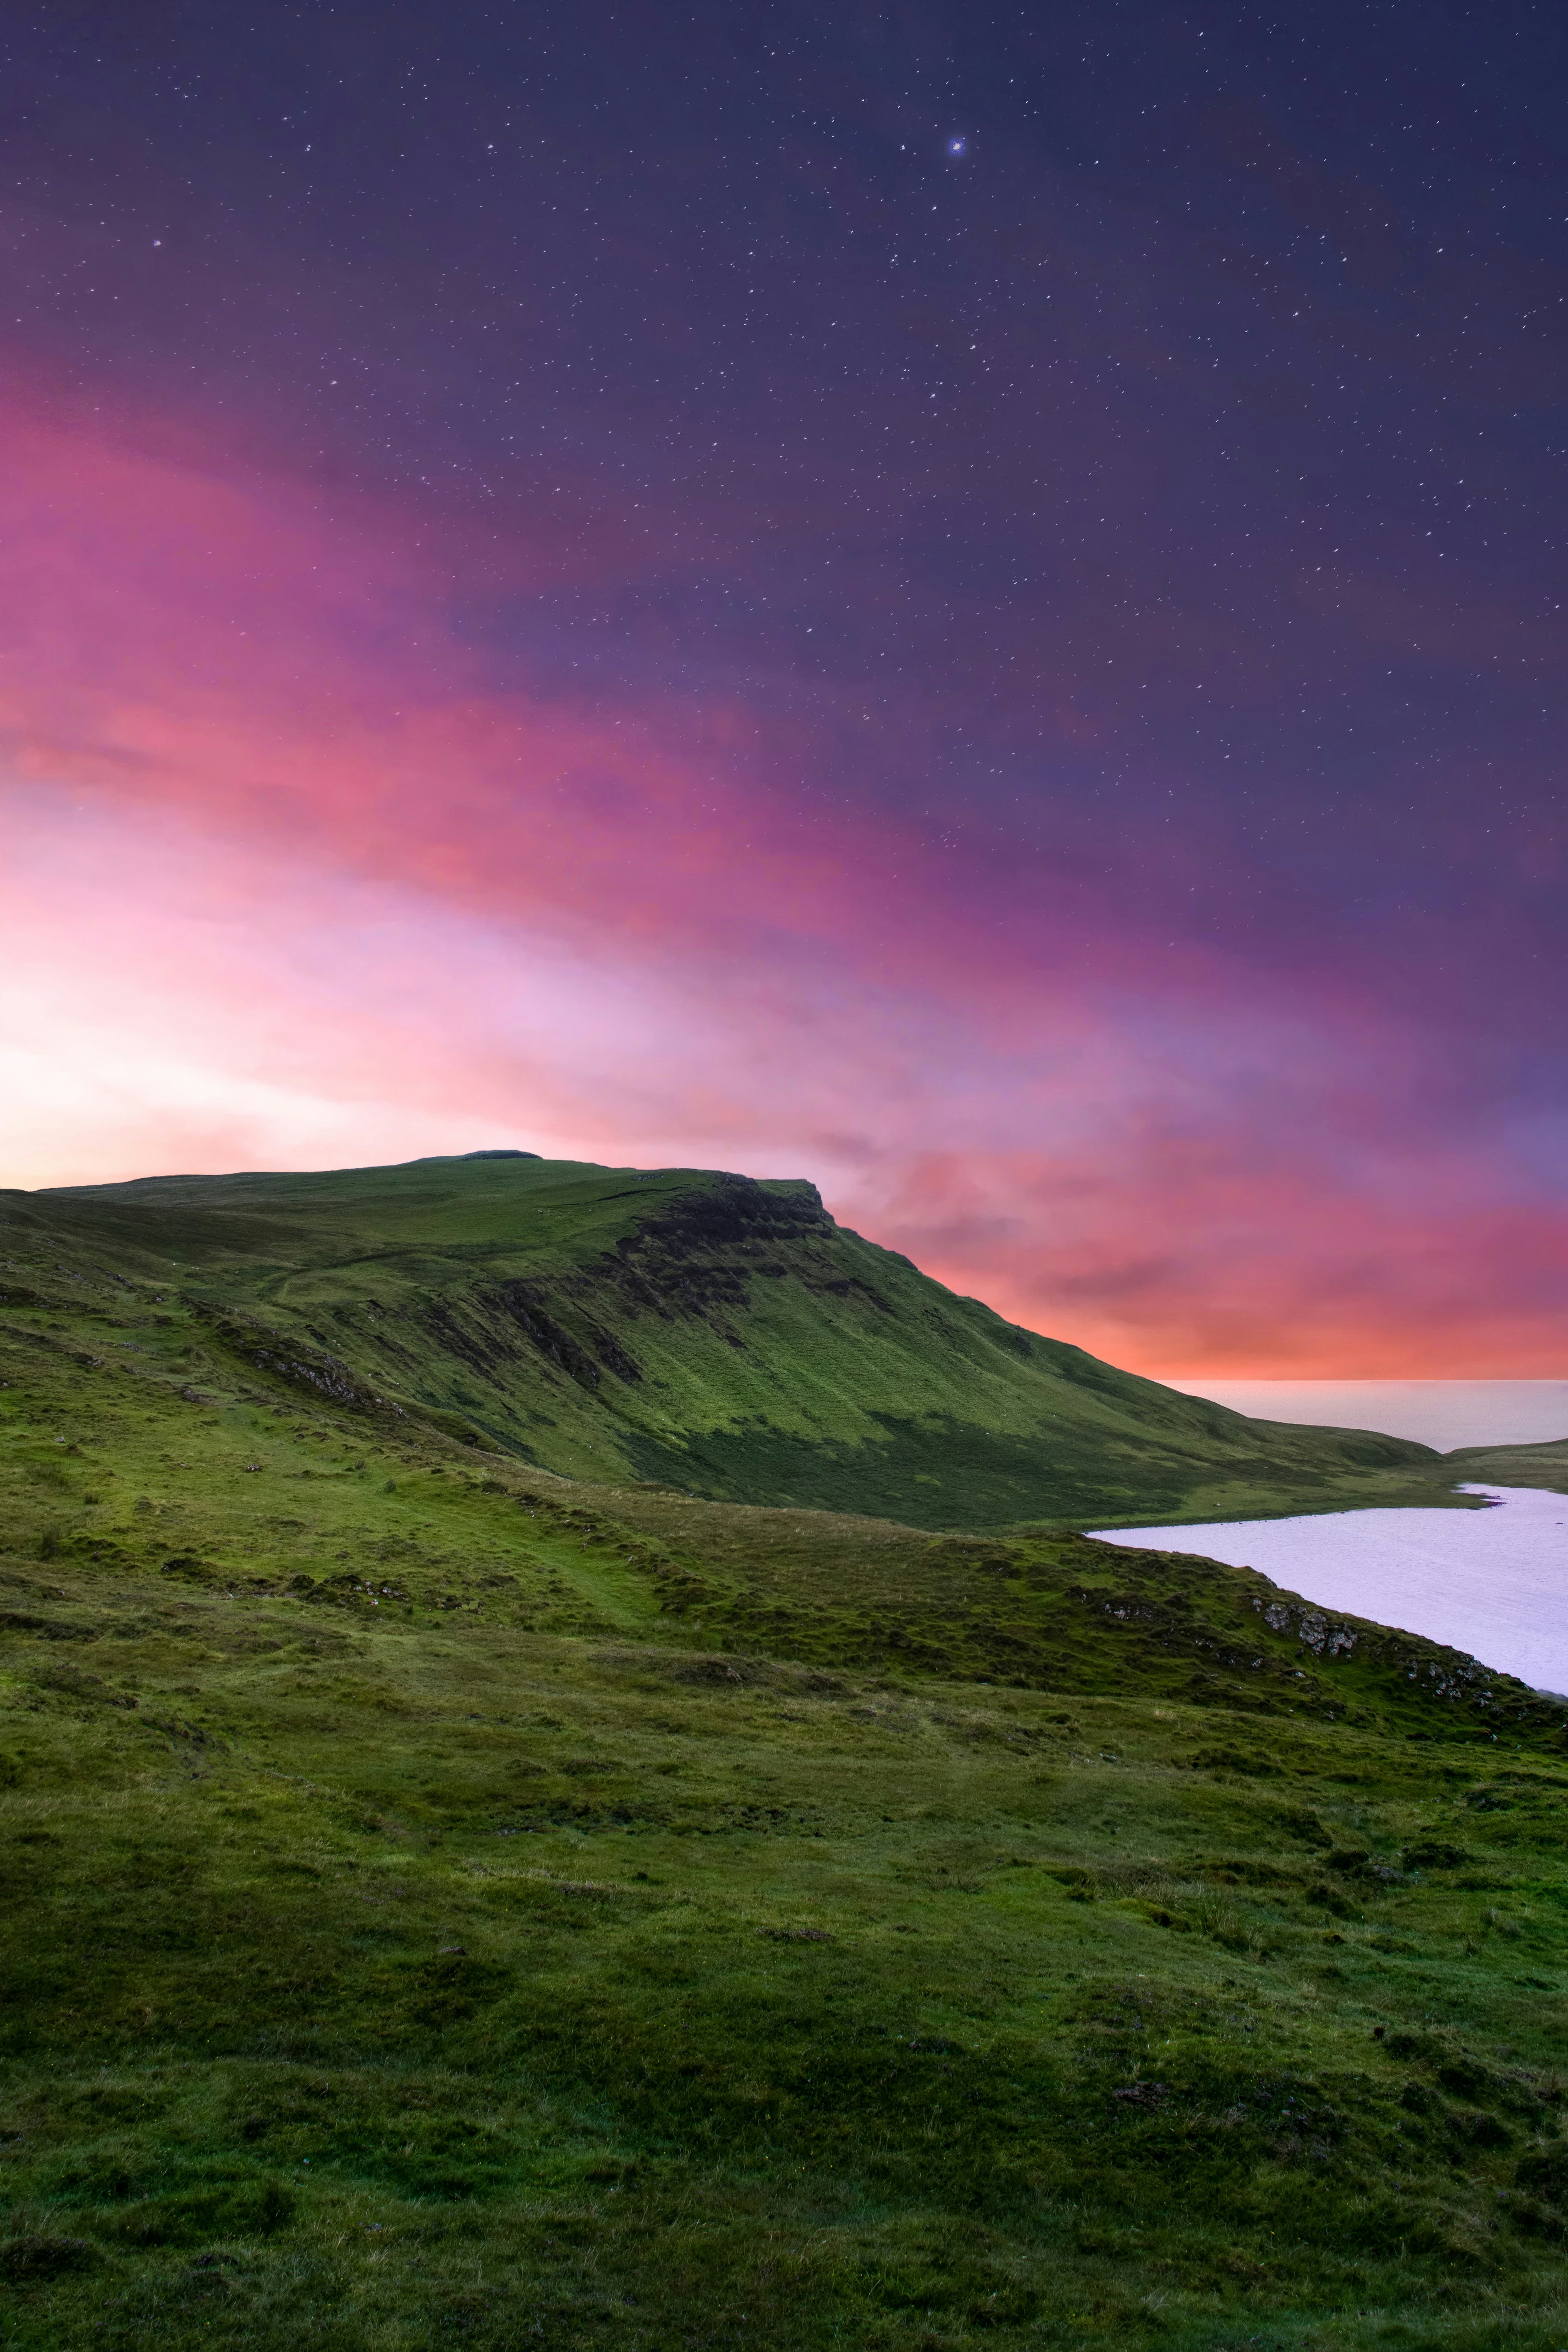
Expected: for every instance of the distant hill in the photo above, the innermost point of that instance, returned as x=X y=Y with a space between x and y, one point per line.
x=684 y=1326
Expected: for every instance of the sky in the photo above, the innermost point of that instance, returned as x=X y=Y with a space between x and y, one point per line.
x=962 y=601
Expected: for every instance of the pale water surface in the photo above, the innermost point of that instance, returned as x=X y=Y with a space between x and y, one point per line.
x=1444 y=1413
x=1494 y=1582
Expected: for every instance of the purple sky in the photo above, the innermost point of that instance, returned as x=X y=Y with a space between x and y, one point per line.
x=962 y=601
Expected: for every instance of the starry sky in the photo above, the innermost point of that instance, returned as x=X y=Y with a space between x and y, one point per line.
x=963 y=601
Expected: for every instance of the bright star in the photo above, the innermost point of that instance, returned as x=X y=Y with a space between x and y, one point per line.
x=957 y=146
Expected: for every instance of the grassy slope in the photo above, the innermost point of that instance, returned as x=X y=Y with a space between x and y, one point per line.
x=1512 y=1465
x=704 y=1331
x=446 y=1904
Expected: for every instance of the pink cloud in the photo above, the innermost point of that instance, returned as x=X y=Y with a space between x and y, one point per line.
x=284 y=879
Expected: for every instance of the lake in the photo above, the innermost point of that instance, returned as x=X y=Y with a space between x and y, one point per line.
x=1494 y=1582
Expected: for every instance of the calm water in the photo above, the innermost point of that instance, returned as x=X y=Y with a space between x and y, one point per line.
x=1444 y=1413
x=1494 y=1582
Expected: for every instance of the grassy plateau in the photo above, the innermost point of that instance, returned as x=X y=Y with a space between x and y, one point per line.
x=457 y=1898
x=722 y=1335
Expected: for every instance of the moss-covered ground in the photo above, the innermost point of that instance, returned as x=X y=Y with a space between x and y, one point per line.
x=446 y=1904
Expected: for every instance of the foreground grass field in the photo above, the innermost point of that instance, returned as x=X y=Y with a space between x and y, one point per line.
x=450 y=1906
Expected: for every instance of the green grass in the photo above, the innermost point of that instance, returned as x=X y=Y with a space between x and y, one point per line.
x=448 y=1905
x=700 y=1330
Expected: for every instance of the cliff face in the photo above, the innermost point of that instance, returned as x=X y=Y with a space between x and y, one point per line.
x=695 y=1328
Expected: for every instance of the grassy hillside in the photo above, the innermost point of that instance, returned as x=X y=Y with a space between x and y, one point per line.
x=448 y=1905
x=1512 y=1465
x=696 y=1329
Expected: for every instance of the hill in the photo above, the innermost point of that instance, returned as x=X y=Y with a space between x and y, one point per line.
x=687 y=1327
x=448 y=1903
x=1512 y=1465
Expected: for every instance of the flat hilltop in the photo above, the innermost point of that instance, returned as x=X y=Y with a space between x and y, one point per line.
x=705 y=1330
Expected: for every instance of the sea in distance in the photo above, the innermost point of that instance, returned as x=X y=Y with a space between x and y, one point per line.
x=1444 y=1413
x=1491 y=1582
